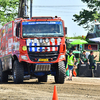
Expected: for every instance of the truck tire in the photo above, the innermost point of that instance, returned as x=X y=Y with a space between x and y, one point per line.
x=42 y=79
x=3 y=74
x=60 y=73
x=18 y=72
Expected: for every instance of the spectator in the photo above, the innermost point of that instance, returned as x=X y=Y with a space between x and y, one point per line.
x=70 y=60
x=73 y=47
x=83 y=58
x=91 y=60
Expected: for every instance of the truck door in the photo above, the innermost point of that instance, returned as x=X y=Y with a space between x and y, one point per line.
x=16 y=36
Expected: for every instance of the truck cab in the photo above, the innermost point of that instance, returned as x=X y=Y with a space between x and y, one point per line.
x=34 y=47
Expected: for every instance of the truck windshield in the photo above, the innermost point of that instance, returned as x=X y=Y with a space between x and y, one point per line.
x=42 y=29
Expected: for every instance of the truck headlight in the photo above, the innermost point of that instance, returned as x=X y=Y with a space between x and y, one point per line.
x=24 y=57
x=62 y=57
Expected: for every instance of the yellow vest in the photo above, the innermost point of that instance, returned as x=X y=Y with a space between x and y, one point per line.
x=70 y=60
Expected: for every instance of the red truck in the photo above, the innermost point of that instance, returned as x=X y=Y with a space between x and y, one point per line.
x=34 y=47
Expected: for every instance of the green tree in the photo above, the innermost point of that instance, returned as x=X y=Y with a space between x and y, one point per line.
x=86 y=18
x=8 y=10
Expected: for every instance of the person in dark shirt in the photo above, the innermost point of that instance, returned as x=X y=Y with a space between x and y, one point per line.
x=83 y=58
x=91 y=60
x=73 y=47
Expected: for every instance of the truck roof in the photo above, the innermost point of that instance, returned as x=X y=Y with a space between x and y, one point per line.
x=45 y=17
x=38 y=18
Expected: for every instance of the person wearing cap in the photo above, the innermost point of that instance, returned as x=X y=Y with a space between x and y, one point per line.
x=83 y=58
x=70 y=60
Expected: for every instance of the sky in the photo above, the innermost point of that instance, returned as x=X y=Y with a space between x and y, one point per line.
x=61 y=8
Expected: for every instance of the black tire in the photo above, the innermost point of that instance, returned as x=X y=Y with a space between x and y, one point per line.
x=3 y=74
x=42 y=79
x=60 y=73
x=18 y=72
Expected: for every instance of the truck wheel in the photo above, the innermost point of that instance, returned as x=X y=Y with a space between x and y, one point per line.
x=60 y=73
x=3 y=74
x=18 y=72
x=42 y=79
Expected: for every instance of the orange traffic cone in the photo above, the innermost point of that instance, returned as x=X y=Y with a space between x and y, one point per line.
x=74 y=73
x=55 y=97
x=66 y=68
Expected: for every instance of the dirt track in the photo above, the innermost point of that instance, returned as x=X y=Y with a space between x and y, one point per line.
x=78 y=89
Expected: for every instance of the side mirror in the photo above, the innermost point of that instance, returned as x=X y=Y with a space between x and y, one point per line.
x=65 y=30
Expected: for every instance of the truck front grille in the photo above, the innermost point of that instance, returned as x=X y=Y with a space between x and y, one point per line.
x=35 y=56
x=42 y=67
